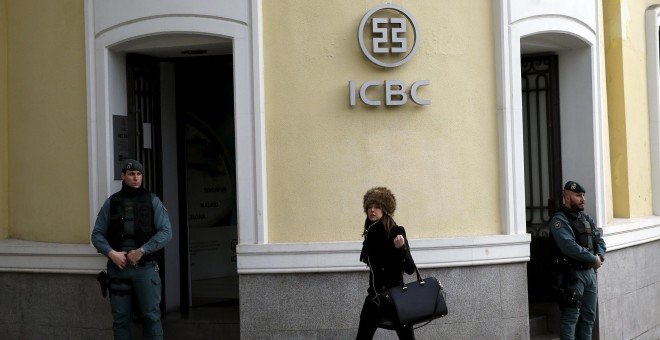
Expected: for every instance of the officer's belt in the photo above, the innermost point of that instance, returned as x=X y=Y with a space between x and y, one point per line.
x=584 y=267
x=580 y=265
x=145 y=261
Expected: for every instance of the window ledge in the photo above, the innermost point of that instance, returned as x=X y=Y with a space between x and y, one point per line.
x=344 y=256
x=627 y=232
x=29 y=256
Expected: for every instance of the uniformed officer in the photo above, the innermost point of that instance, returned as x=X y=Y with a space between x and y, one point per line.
x=581 y=251
x=131 y=229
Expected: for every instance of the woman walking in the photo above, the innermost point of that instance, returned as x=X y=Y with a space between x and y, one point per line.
x=386 y=252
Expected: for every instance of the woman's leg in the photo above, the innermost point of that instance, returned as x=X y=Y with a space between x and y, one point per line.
x=406 y=333
x=369 y=319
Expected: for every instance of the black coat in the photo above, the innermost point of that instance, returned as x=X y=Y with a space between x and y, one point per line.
x=386 y=262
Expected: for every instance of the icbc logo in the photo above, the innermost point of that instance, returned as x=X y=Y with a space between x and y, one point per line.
x=387 y=26
x=388 y=37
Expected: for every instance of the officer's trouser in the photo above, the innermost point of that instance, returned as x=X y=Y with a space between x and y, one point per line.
x=145 y=288
x=577 y=323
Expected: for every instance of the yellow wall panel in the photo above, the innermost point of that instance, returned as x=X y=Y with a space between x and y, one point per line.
x=616 y=108
x=48 y=167
x=440 y=160
x=625 y=53
x=637 y=112
x=4 y=130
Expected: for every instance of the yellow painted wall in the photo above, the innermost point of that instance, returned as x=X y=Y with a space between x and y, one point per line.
x=4 y=175
x=616 y=108
x=607 y=169
x=48 y=190
x=441 y=160
x=625 y=53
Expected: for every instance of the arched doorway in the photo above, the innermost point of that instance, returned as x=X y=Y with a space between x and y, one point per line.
x=186 y=106
x=558 y=125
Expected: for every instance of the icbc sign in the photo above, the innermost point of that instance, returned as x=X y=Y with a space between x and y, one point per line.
x=388 y=37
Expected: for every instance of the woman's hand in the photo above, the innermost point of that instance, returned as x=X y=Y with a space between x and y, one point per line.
x=399 y=241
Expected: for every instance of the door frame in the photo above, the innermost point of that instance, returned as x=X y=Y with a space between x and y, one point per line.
x=576 y=40
x=111 y=34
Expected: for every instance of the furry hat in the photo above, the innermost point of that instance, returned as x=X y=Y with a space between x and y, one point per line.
x=381 y=196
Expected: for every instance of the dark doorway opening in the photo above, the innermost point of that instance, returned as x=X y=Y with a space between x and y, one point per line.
x=201 y=105
x=543 y=172
x=206 y=162
x=144 y=122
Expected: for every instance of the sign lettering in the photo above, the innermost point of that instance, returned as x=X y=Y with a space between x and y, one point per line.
x=392 y=45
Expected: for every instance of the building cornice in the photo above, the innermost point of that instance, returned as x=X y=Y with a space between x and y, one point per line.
x=41 y=257
x=27 y=256
x=344 y=256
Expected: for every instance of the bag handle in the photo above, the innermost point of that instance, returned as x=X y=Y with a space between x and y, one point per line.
x=419 y=279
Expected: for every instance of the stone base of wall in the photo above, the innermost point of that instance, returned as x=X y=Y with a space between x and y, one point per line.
x=629 y=293
x=53 y=306
x=485 y=302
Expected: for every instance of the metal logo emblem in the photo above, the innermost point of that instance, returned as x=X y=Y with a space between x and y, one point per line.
x=573 y=186
x=557 y=225
x=390 y=39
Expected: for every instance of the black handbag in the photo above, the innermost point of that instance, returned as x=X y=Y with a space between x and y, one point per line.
x=414 y=302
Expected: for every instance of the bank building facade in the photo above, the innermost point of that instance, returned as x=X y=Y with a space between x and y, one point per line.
x=262 y=123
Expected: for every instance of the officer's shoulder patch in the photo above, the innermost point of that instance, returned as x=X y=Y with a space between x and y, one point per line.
x=557 y=224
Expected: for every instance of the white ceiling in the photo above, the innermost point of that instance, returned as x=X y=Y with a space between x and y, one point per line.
x=548 y=42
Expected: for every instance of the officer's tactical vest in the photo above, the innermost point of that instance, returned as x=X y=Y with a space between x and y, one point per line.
x=584 y=236
x=143 y=219
x=584 y=232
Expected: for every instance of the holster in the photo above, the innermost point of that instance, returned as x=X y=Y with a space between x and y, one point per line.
x=102 y=278
x=566 y=297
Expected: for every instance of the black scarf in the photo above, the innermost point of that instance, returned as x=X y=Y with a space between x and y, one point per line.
x=129 y=191
x=570 y=213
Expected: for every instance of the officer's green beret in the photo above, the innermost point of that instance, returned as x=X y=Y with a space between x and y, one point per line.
x=132 y=164
x=574 y=187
